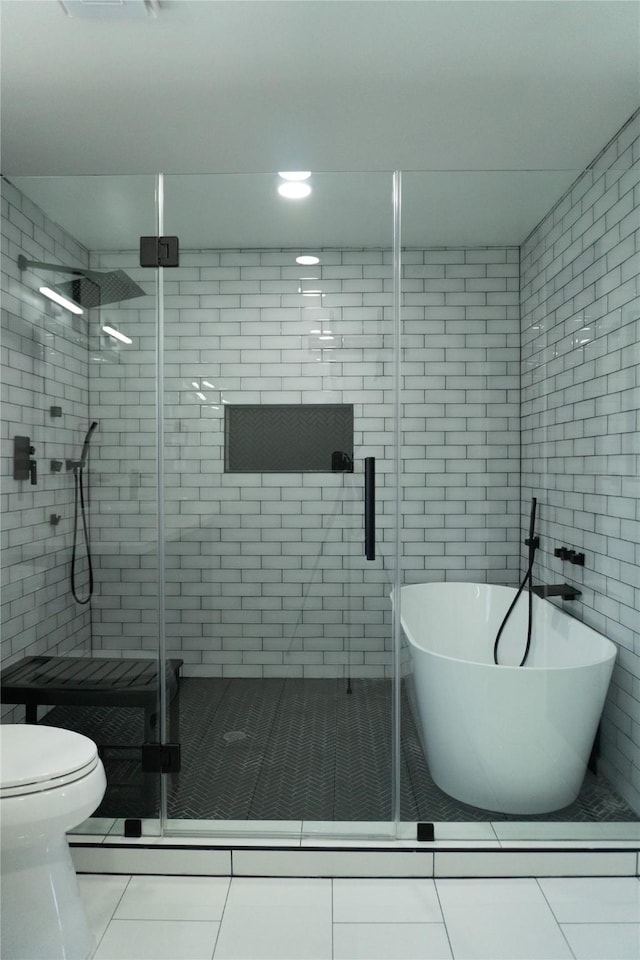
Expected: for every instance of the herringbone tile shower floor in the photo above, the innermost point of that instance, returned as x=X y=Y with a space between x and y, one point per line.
x=292 y=749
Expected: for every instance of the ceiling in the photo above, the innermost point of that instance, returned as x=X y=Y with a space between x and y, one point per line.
x=501 y=104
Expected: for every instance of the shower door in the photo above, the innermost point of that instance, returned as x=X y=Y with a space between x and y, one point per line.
x=279 y=384
x=87 y=639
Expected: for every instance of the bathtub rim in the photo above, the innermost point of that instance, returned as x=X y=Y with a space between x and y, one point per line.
x=609 y=657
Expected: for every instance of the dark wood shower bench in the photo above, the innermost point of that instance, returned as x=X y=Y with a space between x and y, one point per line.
x=97 y=682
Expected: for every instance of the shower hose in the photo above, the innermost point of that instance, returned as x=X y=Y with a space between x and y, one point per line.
x=532 y=542
x=79 y=496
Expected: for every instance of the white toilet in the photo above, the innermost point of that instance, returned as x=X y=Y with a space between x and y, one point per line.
x=50 y=781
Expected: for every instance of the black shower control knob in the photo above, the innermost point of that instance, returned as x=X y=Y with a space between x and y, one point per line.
x=564 y=553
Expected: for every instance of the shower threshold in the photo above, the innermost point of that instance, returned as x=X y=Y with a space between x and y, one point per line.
x=295 y=850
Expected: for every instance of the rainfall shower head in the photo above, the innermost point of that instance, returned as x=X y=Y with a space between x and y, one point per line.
x=98 y=290
x=90 y=288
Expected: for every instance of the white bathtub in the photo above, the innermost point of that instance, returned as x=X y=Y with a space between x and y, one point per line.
x=505 y=738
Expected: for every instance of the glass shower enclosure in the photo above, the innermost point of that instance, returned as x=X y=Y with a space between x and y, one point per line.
x=320 y=401
x=279 y=491
x=77 y=654
x=239 y=507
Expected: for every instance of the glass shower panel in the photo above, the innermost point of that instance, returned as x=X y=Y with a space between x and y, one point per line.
x=279 y=386
x=84 y=652
x=517 y=306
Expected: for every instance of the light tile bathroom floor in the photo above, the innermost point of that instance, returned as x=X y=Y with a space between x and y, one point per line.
x=252 y=918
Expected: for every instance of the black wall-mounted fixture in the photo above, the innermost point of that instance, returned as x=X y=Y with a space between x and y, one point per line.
x=564 y=553
x=370 y=508
x=564 y=590
x=24 y=468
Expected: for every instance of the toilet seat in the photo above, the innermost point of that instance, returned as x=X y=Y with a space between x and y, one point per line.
x=35 y=758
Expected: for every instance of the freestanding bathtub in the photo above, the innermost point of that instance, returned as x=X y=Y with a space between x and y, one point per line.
x=506 y=738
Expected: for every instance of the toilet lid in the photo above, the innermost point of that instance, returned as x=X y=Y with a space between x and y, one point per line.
x=36 y=757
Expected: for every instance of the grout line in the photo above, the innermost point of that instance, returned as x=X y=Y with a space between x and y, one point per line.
x=546 y=900
x=333 y=926
x=112 y=914
x=224 y=907
x=444 y=919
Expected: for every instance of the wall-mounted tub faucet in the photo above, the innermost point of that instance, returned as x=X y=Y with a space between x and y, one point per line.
x=563 y=590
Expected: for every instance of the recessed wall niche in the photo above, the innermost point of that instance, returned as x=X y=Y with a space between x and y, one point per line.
x=288 y=438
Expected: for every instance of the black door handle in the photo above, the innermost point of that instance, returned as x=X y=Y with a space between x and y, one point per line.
x=370 y=508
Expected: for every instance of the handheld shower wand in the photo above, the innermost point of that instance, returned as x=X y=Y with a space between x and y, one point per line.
x=81 y=463
x=85 y=445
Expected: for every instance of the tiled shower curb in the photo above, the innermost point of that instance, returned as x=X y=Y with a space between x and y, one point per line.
x=426 y=860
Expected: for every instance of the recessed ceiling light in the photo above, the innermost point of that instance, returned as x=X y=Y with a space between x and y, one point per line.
x=294 y=189
x=294 y=174
x=307 y=259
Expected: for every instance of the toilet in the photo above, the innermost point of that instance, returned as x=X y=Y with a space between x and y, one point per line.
x=50 y=781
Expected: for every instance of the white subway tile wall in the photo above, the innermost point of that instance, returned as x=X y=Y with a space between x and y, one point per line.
x=265 y=573
x=580 y=360
x=461 y=415
x=123 y=383
x=45 y=363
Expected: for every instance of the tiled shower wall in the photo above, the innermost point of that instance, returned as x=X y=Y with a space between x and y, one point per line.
x=580 y=429
x=44 y=364
x=265 y=572
x=461 y=415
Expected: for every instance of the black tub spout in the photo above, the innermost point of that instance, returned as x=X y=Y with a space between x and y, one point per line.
x=563 y=590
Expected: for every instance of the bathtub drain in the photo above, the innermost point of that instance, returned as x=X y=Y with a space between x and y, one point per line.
x=234 y=735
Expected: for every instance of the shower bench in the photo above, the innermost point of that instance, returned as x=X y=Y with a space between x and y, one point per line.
x=97 y=682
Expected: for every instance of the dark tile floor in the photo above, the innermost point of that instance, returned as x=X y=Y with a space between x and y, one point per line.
x=293 y=749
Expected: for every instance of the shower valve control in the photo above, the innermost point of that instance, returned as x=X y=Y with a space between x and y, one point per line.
x=564 y=553
x=24 y=468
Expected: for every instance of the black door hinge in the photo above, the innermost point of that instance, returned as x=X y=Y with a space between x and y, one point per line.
x=161 y=758
x=426 y=832
x=159 y=252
